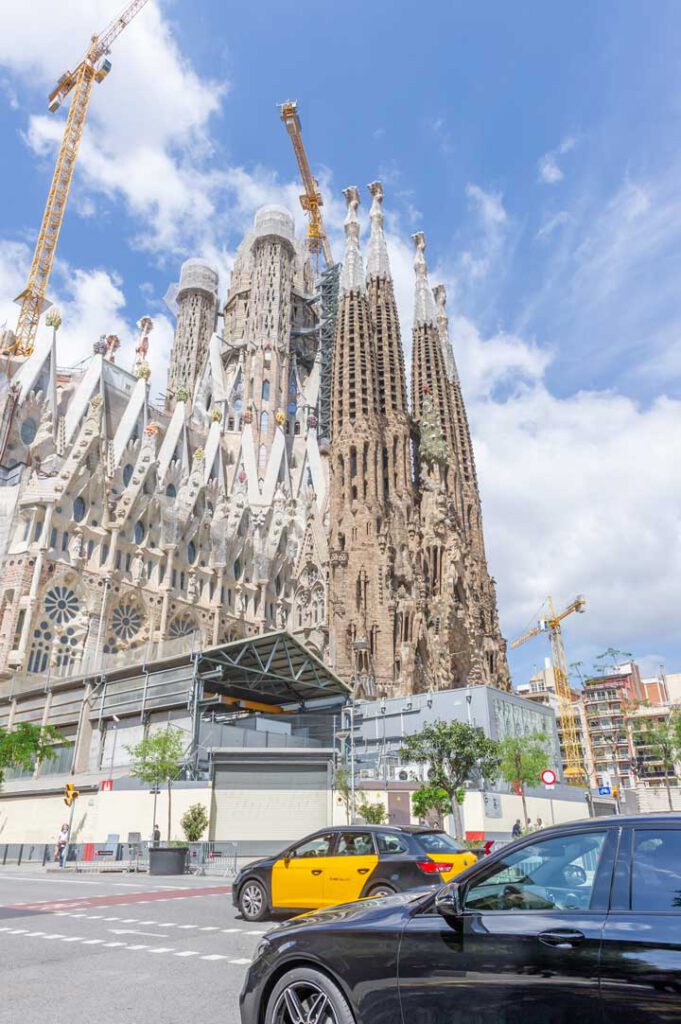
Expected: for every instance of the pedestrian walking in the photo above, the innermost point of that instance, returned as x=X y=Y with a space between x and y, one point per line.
x=539 y=825
x=156 y=835
x=62 y=843
x=517 y=830
x=528 y=825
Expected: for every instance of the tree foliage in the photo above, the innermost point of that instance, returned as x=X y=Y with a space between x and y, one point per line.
x=342 y=783
x=194 y=822
x=431 y=804
x=662 y=742
x=158 y=759
x=372 y=813
x=454 y=752
x=523 y=759
x=23 y=747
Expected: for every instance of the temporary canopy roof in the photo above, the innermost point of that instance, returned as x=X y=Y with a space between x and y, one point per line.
x=270 y=671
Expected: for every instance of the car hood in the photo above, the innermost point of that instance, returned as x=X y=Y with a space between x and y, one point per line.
x=371 y=907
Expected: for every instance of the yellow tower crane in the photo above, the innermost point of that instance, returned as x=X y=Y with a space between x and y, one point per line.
x=575 y=770
x=311 y=200
x=94 y=67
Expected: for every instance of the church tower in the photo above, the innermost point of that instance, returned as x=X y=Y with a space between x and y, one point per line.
x=361 y=624
x=197 y=301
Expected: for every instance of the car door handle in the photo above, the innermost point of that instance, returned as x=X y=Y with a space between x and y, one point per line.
x=362 y=871
x=316 y=871
x=561 y=938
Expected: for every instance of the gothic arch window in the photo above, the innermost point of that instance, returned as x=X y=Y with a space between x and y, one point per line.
x=191 y=552
x=126 y=621
x=264 y=423
x=296 y=428
x=67 y=649
x=61 y=605
x=29 y=428
x=171 y=491
x=140 y=530
x=78 y=509
x=127 y=474
x=39 y=654
x=265 y=391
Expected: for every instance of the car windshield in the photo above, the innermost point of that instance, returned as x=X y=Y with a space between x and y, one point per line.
x=438 y=842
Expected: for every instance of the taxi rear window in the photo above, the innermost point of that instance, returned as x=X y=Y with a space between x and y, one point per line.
x=438 y=842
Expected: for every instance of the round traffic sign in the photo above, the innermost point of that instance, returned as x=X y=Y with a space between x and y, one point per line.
x=548 y=777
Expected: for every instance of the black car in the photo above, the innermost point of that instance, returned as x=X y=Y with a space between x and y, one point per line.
x=578 y=924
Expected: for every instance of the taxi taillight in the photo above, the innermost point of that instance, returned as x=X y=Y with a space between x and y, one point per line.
x=431 y=867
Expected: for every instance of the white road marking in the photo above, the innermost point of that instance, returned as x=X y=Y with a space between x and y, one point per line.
x=110 y=945
x=162 y=949
x=141 y=945
x=189 y=926
x=243 y=960
x=188 y=952
x=74 y=938
x=93 y=942
x=215 y=956
x=133 y=931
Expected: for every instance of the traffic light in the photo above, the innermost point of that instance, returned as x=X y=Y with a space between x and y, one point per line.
x=70 y=794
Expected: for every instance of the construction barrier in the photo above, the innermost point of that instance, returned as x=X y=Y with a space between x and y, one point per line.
x=205 y=858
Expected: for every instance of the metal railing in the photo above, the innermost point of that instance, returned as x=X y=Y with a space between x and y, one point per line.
x=211 y=858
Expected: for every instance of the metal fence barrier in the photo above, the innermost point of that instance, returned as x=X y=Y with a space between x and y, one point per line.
x=212 y=858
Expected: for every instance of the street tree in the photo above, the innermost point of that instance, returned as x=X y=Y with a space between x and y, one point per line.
x=24 y=746
x=523 y=759
x=662 y=741
x=157 y=760
x=194 y=822
x=372 y=813
x=342 y=783
x=453 y=753
x=431 y=804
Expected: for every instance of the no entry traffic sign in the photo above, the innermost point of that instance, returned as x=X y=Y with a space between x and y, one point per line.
x=548 y=777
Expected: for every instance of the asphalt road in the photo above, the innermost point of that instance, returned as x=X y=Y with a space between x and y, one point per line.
x=120 y=949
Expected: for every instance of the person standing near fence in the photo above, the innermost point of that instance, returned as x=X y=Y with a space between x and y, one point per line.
x=62 y=843
x=156 y=835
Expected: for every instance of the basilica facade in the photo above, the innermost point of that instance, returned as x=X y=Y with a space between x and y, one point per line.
x=133 y=531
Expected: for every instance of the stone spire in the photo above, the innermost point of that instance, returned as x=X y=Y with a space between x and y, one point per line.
x=429 y=376
x=378 y=264
x=464 y=445
x=352 y=277
x=355 y=394
x=392 y=391
x=424 y=304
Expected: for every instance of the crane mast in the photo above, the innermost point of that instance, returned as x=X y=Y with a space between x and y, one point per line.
x=574 y=770
x=311 y=200
x=94 y=67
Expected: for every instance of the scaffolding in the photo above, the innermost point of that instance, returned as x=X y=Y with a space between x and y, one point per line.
x=330 y=280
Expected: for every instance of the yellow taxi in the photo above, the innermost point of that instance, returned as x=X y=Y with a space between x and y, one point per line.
x=346 y=863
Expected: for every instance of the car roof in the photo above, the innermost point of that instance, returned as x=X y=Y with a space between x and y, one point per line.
x=359 y=826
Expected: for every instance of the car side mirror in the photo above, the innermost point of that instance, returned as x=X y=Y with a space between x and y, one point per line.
x=448 y=902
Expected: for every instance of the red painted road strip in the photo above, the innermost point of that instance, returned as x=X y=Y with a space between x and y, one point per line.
x=86 y=902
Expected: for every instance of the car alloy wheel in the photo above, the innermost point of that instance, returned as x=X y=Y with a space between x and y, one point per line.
x=382 y=890
x=252 y=901
x=302 y=1002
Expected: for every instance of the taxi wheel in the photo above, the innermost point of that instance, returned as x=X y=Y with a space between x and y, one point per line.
x=305 y=995
x=382 y=890
x=253 y=900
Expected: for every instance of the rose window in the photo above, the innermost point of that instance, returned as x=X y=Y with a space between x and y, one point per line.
x=61 y=605
x=126 y=621
x=183 y=625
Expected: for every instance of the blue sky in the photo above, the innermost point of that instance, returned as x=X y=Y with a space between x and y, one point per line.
x=536 y=145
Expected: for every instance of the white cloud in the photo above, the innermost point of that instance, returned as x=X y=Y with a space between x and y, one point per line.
x=550 y=225
x=92 y=303
x=583 y=495
x=147 y=142
x=477 y=262
x=550 y=171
